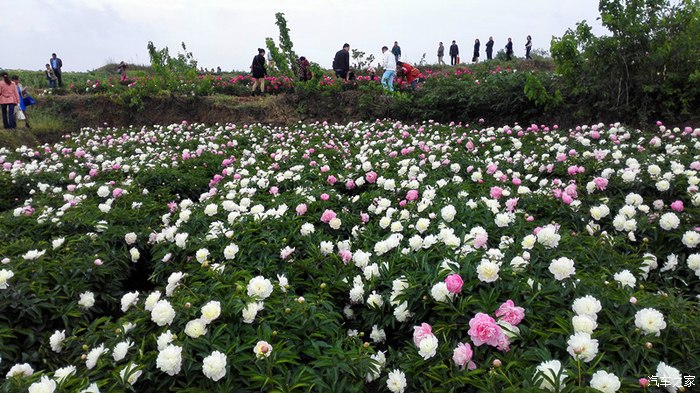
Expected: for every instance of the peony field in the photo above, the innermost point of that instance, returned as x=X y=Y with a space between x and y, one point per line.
x=362 y=257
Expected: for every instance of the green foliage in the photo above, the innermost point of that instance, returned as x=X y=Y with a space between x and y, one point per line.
x=643 y=71
x=360 y=62
x=287 y=46
x=281 y=63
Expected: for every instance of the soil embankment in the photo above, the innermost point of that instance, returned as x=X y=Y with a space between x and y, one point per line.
x=56 y=116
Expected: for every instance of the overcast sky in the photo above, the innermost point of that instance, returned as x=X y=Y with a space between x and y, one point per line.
x=87 y=34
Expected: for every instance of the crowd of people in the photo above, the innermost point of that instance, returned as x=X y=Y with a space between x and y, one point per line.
x=14 y=101
x=508 y=49
x=390 y=62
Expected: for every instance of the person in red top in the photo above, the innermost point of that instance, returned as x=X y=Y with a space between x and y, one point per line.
x=409 y=72
x=8 y=100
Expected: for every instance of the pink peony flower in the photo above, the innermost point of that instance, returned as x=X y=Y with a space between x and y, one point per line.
x=331 y=179
x=462 y=356
x=508 y=312
x=301 y=209
x=484 y=330
x=371 y=177
x=327 y=216
x=364 y=217
x=601 y=183
x=325 y=197
x=412 y=195
x=421 y=332
x=346 y=256
x=496 y=192
x=117 y=192
x=677 y=206
x=350 y=184
x=454 y=283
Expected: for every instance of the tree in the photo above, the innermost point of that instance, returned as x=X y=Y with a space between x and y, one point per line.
x=286 y=45
x=643 y=70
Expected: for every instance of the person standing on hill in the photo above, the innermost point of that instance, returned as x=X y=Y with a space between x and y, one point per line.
x=50 y=76
x=509 y=49
x=396 y=50
x=121 y=70
x=477 y=45
x=528 y=47
x=389 y=65
x=441 y=54
x=304 y=69
x=341 y=62
x=454 y=53
x=56 y=65
x=259 y=71
x=8 y=100
x=25 y=100
x=489 y=49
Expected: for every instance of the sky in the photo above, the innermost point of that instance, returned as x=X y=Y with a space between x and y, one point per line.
x=87 y=34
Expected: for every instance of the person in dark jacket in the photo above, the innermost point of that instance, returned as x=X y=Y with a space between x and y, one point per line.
x=259 y=71
x=56 y=65
x=477 y=45
x=441 y=54
x=396 y=50
x=528 y=47
x=509 y=49
x=341 y=62
x=489 y=49
x=304 y=69
x=454 y=53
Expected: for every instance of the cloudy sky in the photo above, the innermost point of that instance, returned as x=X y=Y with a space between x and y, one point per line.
x=87 y=34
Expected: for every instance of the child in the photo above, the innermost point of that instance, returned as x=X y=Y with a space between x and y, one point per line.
x=51 y=76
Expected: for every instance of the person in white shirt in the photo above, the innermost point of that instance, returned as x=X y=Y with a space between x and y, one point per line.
x=389 y=64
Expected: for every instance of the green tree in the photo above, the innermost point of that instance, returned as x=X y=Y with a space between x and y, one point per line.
x=281 y=64
x=286 y=45
x=644 y=70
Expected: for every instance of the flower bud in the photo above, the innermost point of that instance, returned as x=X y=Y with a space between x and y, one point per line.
x=496 y=363
x=649 y=345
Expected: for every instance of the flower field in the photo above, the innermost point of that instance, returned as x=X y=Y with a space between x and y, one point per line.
x=362 y=257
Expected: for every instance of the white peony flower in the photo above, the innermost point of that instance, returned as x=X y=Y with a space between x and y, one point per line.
x=162 y=313
x=130 y=238
x=130 y=374
x=562 y=268
x=129 y=299
x=196 y=328
x=667 y=373
x=214 y=366
x=605 y=382
x=4 y=276
x=396 y=381
x=120 y=350
x=548 y=237
x=448 y=213
x=151 y=300
x=587 y=305
x=584 y=324
x=487 y=270
x=691 y=239
x=87 y=300
x=262 y=350
x=64 y=372
x=650 y=321
x=625 y=278
x=93 y=356
x=56 y=340
x=211 y=311
x=669 y=221
x=169 y=360
x=44 y=385
x=202 y=254
x=548 y=372
x=440 y=293
x=582 y=346
x=428 y=347
x=260 y=288
x=250 y=311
